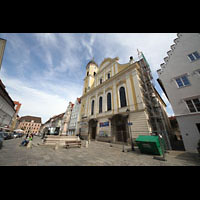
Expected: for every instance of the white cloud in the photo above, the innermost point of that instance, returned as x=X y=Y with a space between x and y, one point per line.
x=61 y=58
x=38 y=102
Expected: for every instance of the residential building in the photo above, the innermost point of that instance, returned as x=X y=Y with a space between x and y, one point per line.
x=7 y=107
x=30 y=124
x=66 y=120
x=15 y=118
x=52 y=126
x=119 y=102
x=74 y=118
x=179 y=77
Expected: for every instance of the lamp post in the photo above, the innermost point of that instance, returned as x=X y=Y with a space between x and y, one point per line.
x=130 y=134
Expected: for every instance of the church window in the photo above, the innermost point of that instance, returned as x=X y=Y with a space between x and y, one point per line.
x=100 y=104
x=109 y=107
x=122 y=97
x=92 y=109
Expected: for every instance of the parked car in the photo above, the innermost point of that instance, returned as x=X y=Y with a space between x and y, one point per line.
x=17 y=135
x=1 y=139
x=6 y=135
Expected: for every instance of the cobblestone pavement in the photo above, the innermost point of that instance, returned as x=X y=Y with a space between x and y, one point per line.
x=97 y=154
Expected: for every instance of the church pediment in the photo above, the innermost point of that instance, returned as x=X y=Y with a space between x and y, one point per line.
x=106 y=62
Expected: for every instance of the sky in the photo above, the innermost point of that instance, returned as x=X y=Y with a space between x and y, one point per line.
x=45 y=71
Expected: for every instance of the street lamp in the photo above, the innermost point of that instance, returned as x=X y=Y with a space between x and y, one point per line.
x=130 y=134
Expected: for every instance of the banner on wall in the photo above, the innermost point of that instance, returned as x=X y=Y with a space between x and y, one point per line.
x=103 y=124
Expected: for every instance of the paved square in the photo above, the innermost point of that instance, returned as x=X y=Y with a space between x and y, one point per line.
x=97 y=154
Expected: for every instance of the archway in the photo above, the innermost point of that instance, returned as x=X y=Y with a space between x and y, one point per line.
x=92 y=129
x=119 y=127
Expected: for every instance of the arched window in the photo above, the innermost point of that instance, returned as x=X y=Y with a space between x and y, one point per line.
x=92 y=109
x=100 y=104
x=122 y=97
x=109 y=106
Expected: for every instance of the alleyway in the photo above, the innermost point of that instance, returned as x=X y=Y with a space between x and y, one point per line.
x=97 y=154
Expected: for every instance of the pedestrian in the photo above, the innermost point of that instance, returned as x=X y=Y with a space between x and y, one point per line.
x=26 y=136
x=30 y=141
x=24 y=142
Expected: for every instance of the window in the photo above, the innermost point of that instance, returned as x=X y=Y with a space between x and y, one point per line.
x=122 y=97
x=193 y=105
x=100 y=80
x=108 y=75
x=92 y=109
x=94 y=73
x=100 y=105
x=87 y=73
x=194 y=56
x=182 y=81
x=109 y=107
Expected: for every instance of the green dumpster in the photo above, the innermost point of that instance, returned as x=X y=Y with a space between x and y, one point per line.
x=149 y=144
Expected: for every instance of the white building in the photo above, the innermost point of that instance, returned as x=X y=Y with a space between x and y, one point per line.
x=66 y=120
x=74 y=118
x=179 y=77
x=7 y=109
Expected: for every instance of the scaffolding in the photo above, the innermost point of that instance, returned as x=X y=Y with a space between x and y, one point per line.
x=153 y=107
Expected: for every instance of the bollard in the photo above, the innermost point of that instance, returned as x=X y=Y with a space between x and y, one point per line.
x=86 y=144
x=56 y=146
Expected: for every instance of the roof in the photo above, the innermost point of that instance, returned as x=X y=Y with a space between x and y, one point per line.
x=55 y=117
x=79 y=100
x=92 y=62
x=30 y=118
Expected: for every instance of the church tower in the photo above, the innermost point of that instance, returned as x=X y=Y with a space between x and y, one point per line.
x=91 y=71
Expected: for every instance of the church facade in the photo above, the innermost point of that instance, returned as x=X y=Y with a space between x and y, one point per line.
x=113 y=106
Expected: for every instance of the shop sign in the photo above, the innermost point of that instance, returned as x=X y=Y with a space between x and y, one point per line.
x=130 y=123
x=103 y=124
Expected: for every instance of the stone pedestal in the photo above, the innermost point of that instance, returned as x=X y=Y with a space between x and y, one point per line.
x=59 y=140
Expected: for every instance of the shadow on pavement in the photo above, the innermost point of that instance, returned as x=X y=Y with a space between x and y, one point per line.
x=194 y=158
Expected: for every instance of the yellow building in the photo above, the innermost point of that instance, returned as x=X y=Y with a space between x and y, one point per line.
x=113 y=105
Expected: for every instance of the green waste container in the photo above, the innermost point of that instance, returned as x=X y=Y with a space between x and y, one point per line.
x=149 y=144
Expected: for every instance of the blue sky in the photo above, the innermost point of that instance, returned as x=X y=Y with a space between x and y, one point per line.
x=44 y=71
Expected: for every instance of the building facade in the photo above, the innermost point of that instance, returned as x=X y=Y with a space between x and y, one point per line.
x=2 y=48
x=72 y=130
x=179 y=77
x=30 y=124
x=7 y=107
x=15 y=117
x=53 y=125
x=66 y=120
x=118 y=102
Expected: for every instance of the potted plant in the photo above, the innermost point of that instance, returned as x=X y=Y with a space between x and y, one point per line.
x=198 y=146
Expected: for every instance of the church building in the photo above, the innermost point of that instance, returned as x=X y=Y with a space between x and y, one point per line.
x=118 y=102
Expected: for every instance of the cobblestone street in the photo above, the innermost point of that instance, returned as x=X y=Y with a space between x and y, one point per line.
x=97 y=154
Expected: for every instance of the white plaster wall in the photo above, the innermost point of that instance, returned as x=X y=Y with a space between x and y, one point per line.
x=189 y=131
x=179 y=64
